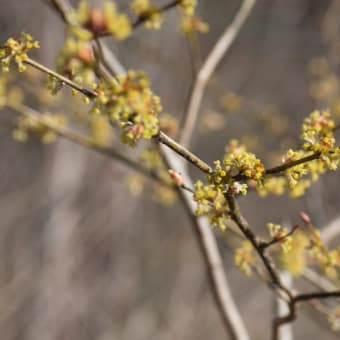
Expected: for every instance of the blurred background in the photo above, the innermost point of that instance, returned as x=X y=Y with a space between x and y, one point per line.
x=83 y=258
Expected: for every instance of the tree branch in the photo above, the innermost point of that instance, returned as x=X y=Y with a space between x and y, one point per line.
x=230 y=315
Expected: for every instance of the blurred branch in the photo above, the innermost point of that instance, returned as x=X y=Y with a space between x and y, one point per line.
x=281 y=308
x=318 y=280
x=331 y=230
x=214 y=58
x=86 y=142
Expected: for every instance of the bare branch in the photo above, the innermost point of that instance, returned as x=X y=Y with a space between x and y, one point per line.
x=281 y=308
x=214 y=58
x=331 y=230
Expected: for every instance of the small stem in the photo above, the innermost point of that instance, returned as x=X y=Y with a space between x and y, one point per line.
x=291 y=164
x=265 y=245
x=316 y=295
x=160 y=10
x=86 y=92
x=161 y=137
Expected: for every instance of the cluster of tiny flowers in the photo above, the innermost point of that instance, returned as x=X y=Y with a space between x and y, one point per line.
x=130 y=103
x=244 y=258
x=188 y=7
x=305 y=246
x=245 y=163
x=92 y=21
x=16 y=50
x=279 y=234
x=190 y=22
x=76 y=61
x=100 y=130
x=317 y=136
x=221 y=178
x=294 y=258
x=274 y=185
x=150 y=13
x=211 y=202
x=237 y=161
x=327 y=260
x=210 y=198
x=317 y=132
x=25 y=126
x=334 y=318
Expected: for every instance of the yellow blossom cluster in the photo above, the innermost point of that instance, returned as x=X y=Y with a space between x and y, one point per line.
x=319 y=143
x=75 y=61
x=210 y=198
x=306 y=246
x=16 y=50
x=148 y=12
x=244 y=257
x=334 y=318
x=317 y=131
x=211 y=202
x=92 y=21
x=130 y=103
x=294 y=259
x=280 y=235
x=190 y=22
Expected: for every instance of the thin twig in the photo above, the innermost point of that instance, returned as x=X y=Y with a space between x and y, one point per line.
x=86 y=92
x=316 y=295
x=143 y=18
x=279 y=239
x=281 y=308
x=186 y=154
x=214 y=58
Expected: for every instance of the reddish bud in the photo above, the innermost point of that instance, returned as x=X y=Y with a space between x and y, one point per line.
x=96 y=22
x=176 y=177
x=305 y=218
x=86 y=54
